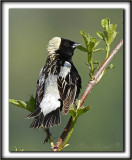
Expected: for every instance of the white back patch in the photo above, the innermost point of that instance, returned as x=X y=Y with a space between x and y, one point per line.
x=53 y=45
x=65 y=70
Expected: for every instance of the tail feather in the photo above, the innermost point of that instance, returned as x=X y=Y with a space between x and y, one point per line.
x=33 y=123
x=51 y=119
x=34 y=114
x=41 y=119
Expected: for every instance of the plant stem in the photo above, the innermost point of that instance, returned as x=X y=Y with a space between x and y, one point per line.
x=86 y=93
x=70 y=132
x=90 y=61
x=107 y=50
x=91 y=72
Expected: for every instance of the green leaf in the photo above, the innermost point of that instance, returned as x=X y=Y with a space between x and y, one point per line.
x=99 y=49
x=91 y=46
x=84 y=37
x=72 y=112
x=82 y=48
x=99 y=34
x=18 y=103
x=109 y=31
x=112 y=27
x=81 y=110
x=112 y=33
x=93 y=40
x=15 y=149
x=105 y=23
x=96 y=44
x=82 y=32
x=21 y=149
x=66 y=145
x=88 y=37
x=105 y=36
x=111 y=66
x=30 y=105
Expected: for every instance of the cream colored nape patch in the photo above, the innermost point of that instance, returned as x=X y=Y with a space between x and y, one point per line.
x=53 y=45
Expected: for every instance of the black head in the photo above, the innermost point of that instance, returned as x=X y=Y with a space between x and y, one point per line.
x=61 y=46
x=67 y=48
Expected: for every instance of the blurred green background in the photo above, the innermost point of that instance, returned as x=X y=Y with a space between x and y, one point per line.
x=101 y=128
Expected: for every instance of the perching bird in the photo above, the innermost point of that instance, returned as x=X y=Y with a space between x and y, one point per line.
x=58 y=85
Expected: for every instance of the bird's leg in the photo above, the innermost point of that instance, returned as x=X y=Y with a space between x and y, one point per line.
x=48 y=137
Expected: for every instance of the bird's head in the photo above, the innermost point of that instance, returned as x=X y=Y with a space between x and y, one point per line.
x=61 y=46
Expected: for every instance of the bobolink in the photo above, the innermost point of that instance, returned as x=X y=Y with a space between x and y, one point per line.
x=58 y=85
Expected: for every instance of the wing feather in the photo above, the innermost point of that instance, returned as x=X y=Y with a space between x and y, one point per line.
x=40 y=87
x=67 y=90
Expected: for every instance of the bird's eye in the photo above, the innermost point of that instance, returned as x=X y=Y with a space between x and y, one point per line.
x=67 y=44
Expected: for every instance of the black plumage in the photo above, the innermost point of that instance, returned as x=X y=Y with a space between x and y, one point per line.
x=58 y=85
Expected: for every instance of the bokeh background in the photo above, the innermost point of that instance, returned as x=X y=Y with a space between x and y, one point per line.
x=101 y=128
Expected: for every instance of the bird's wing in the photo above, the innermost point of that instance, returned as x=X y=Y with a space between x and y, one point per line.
x=67 y=88
x=40 y=87
x=39 y=96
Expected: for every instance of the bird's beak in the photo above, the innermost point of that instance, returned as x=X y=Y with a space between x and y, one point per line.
x=75 y=45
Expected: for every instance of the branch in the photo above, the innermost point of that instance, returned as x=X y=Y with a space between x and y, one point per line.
x=63 y=136
x=86 y=93
x=99 y=72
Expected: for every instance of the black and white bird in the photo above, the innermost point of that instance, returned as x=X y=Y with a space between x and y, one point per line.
x=58 y=85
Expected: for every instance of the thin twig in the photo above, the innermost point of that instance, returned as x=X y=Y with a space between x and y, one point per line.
x=86 y=93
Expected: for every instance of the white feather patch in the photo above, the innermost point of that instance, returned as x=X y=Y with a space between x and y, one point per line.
x=53 y=45
x=65 y=70
x=50 y=100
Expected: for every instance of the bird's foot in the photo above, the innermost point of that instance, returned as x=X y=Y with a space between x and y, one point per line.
x=48 y=135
